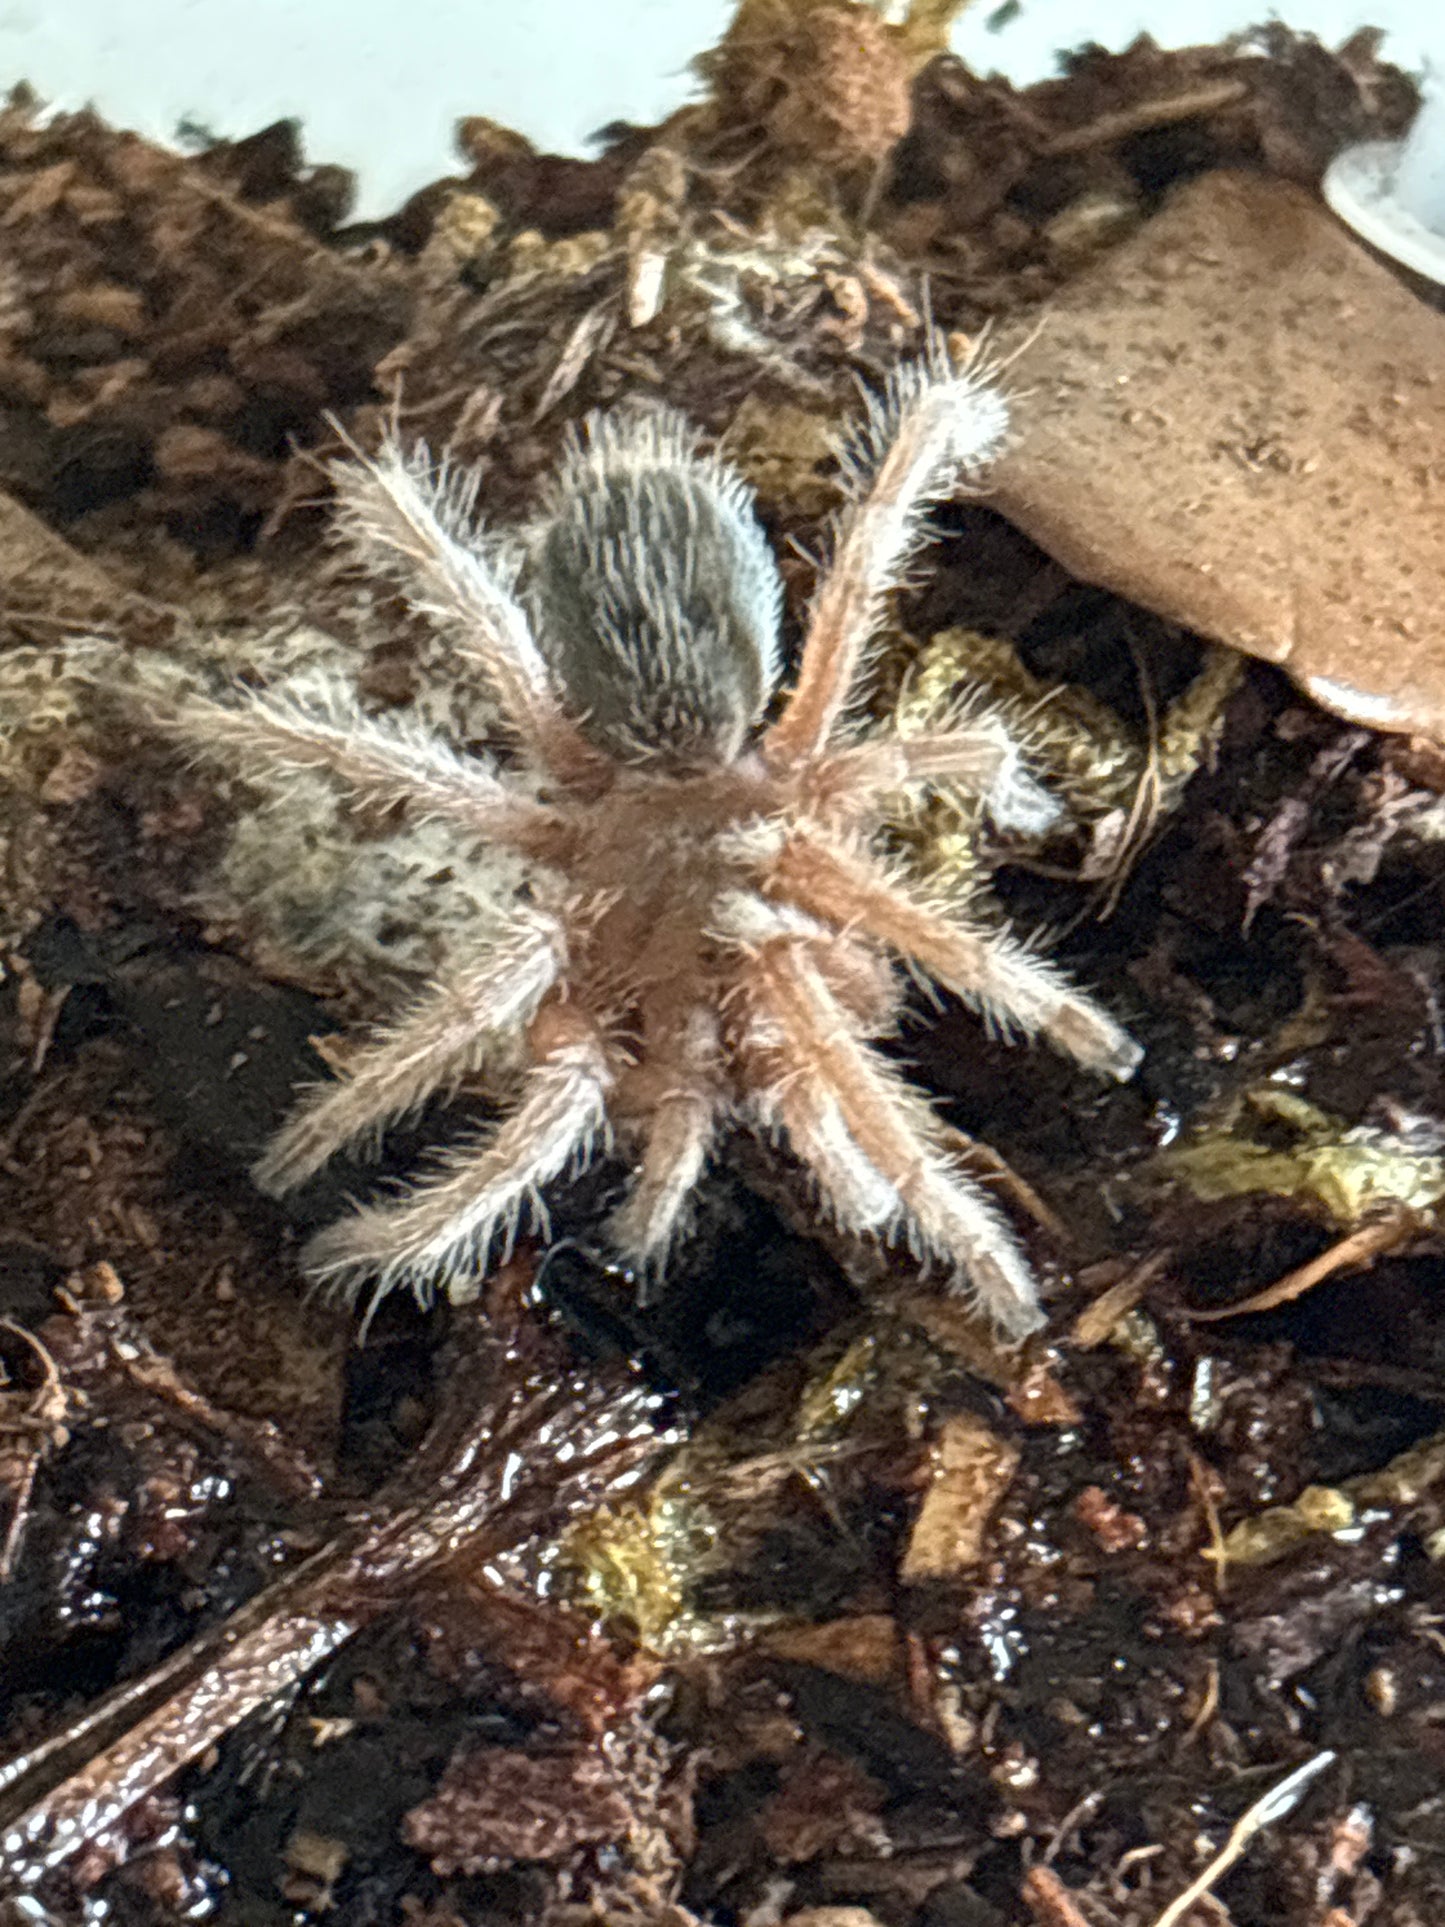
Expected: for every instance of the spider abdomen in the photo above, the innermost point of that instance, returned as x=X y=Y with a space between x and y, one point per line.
x=656 y=596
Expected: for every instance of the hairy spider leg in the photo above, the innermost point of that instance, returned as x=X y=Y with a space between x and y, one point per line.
x=986 y=968
x=930 y=424
x=449 y=1031
x=481 y=1188
x=870 y=1140
x=409 y=518
x=381 y=763
x=676 y=1142
x=978 y=755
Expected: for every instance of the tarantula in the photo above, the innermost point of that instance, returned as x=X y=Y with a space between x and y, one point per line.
x=708 y=938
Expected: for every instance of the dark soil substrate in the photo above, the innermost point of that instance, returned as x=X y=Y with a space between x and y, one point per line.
x=1062 y=1730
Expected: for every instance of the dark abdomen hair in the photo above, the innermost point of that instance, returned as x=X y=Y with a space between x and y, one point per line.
x=656 y=597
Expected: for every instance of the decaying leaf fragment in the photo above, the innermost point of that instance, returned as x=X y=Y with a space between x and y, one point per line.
x=1410 y=1481
x=866 y=1647
x=1347 y=1172
x=1269 y=1535
x=1114 y=784
x=637 y=1565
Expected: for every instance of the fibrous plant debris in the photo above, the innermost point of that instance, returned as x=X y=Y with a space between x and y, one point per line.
x=1347 y=1172
x=72 y=1798
x=882 y=1622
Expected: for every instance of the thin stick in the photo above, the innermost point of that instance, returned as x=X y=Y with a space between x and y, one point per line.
x=1272 y=1806
x=1166 y=112
x=1049 y=1900
x=1215 y=1552
x=34 y=1431
x=1098 y=1320
x=1358 y=1247
x=22 y=1493
x=984 y=1159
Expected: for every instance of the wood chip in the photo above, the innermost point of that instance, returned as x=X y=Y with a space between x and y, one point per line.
x=1049 y=1900
x=865 y=1647
x=973 y=1468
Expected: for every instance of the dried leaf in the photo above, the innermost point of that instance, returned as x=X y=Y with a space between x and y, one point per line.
x=1267 y=472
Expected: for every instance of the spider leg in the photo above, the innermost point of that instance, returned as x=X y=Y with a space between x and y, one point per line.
x=410 y=519
x=383 y=763
x=986 y=968
x=447 y=1032
x=682 y=1121
x=481 y=1187
x=932 y=423
x=979 y=756
x=871 y=1140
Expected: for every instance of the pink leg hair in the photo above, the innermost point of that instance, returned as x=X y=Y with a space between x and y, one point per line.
x=987 y=969
x=869 y=1138
x=978 y=756
x=478 y=1189
x=406 y=517
x=682 y=1104
x=382 y=763
x=446 y=1033
x=933 y=424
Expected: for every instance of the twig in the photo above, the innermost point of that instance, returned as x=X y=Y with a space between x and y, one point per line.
x=1082 y=1809
x=1358 y=1247
x=1049 y=1900
x=150 y=1372
x=25 y=1440
x=589 y=336
x=1146 y=114
x=19 y=1125
x=1208 y=1706
x=1272 y=1806
x=1199 y=1479
x=983 y=1157
x=1097 y=1321
x=22 y=1491
x=48 y=1016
